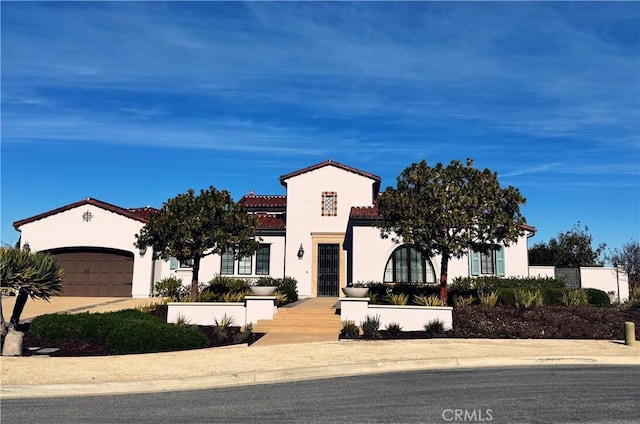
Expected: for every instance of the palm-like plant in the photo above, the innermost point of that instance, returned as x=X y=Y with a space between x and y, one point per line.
x=36 y=275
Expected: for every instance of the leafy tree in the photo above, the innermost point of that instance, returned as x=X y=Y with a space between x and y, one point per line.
x=571 y=249
x=190 y=227
x=448 y=210
x=35 y=275
x=629 y=259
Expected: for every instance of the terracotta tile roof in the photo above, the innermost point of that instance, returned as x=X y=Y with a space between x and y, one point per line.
x=270 y=221
x=139 y=214
x=263 y=201
x=364 y=212
x=329 y=163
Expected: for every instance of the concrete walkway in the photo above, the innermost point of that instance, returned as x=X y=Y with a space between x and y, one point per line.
x=223 y=367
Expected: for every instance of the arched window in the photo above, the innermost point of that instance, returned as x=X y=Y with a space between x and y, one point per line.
x=407 y=265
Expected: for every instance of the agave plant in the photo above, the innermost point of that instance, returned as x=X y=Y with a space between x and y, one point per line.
x=432 y=300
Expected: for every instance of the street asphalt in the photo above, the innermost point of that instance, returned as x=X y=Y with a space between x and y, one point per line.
x=36 y=376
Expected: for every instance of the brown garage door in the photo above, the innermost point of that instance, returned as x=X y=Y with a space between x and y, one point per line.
x=95 y=272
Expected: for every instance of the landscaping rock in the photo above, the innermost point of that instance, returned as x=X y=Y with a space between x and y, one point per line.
x=13 y=343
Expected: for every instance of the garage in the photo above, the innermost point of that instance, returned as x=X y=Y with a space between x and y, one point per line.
x=95 y=271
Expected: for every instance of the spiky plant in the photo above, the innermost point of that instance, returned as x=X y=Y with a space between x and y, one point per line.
x=462 y=301
x=397 y=299
x=432 y=300
x=488 y=299
x=35 y=275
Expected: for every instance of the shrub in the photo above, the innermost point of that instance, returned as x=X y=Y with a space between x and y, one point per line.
x=493 y=283
x=397 y=299
x=126 y=331
x=597 y=297
x=634 y=299
x=576 y=297
x=528 y=298
x=349 y=330
x=222 y=328
x=553 y=297
x=394 y=329
x=170 y=287
x=489 y=299
x=234 y=297
x=221 y=285
x=371 y=327
x=288 y=286
x=373 y=297
x=139 y=336
x=246 y=335
x=434 y=328
x=207 y=296
x=432 y=300
x=463 y=301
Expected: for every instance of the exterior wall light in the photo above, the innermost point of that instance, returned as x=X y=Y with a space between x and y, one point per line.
x=300 y=252
x=26 y=247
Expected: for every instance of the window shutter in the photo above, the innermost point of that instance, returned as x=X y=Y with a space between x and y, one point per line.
x=173 y=263
x=475 y=263
x=500 y=262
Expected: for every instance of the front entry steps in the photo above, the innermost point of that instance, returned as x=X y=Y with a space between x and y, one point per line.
x=309 y=320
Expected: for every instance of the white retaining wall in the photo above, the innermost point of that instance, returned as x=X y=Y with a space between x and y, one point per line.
x=253 y=309
x=409 y=317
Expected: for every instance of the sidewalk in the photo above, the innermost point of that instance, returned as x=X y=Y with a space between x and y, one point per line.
x=223 y=367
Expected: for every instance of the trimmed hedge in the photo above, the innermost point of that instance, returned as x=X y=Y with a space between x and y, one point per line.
x=493 y=283
x=126 y=331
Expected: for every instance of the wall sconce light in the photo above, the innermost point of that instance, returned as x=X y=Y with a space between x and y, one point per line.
x=26 y=247
x=300 y=252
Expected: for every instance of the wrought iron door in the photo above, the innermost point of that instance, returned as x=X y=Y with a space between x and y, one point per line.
x=328 y=269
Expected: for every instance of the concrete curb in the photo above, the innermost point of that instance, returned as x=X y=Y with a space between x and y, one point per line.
x=298 y=374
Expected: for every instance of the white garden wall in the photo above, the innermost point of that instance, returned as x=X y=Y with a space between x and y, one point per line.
x=410 y=318
x=253 y=309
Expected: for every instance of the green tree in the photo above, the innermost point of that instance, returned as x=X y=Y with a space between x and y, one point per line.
x=628 y=257
x=571 y=249
x=448 y=210
x=35 y=275
x=190 y=227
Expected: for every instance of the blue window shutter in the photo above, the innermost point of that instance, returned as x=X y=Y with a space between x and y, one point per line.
x=173 y=263
x=500 y=262
x=475 y=263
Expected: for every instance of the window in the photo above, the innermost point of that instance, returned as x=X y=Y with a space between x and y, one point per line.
x=244 y=265
x=186 y=264
x=407 y=265
x=488 y=263
x=174 y=263
x=226 y=264
x=329 y=203
x=487 y=259
x=262 y=259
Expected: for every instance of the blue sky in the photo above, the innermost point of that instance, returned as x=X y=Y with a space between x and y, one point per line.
x=134 y=102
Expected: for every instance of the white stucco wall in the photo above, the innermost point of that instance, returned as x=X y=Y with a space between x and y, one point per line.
x=601 y=278
x=304 y=214
x=105 y=229
x=605 y=279
x=371 y=253
x=542 y=271
x=210 y=265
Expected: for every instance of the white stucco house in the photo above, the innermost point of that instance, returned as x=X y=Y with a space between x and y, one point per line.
x=321 y=233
